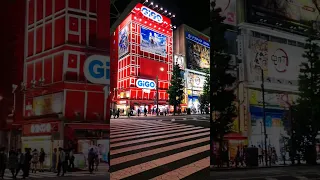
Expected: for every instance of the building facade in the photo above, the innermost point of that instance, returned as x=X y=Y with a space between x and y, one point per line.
x=62 y=108
x=142 y=57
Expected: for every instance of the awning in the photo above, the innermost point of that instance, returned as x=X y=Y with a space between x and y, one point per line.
x=234 y=136
x=87 y=126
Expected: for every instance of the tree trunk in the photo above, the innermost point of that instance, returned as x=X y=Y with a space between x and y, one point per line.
x=174 y=109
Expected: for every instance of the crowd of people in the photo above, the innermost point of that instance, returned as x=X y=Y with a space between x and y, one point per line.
x=62 y=161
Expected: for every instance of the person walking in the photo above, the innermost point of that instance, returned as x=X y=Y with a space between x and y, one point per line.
x=145 y=111
x=139 y=112
x=3 y=162
x=97 y=161
x=260 y=154
x=41 y=159
x=61 y=161
x=13 y=163
x=91 y=157
x=54 y=161
x=71 y=160
x=118 y=113
x=21 y=159
x=35 y=160
x=26 y=163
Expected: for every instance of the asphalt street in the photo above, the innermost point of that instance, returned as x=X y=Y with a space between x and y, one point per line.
x=277 y=173
x=106 y=177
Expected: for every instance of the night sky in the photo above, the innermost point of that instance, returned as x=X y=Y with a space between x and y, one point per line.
x=195 y=15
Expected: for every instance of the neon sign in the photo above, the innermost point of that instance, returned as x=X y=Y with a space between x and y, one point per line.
x=146 y=84
x=151 y=14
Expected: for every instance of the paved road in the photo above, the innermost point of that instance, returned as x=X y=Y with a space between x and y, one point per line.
x=279 y=173
x=81 y=175
x=144 y=149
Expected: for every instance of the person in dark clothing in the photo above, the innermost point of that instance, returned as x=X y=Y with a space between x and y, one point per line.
x=71 y=160
x=91 y=157
x=3 y=162
x=139 y=112
x=26 y=163
x=145 y=111
x=61 y=162
x=41 y=159
x=118 y=113
x=13 y=163
x=21 y=159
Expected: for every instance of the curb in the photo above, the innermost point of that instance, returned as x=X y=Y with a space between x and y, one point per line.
x=253 y=168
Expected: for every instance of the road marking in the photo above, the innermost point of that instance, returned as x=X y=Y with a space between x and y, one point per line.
x=184 y=118
x=173 y=120
x=194 y=118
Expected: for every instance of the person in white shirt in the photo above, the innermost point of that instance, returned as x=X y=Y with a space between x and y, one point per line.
x=61 y=162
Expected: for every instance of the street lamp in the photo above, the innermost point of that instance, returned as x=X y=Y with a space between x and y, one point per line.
x=157 y=93
x=264 y=115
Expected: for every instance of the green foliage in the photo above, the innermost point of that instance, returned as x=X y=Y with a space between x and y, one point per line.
x=175 y=90
x=222 y=99
x=204 y=98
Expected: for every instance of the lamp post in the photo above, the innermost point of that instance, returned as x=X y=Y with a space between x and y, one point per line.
x=157 y=91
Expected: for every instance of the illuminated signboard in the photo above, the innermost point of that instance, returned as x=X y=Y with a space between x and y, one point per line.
x=151 y=14
x=146 y=84
x=97 y=69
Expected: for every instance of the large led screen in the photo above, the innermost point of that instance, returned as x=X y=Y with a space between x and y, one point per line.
x=123 y=41
x=153 y=42
x=197 y=53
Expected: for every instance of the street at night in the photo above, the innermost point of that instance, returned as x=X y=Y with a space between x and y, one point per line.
x=158 y=148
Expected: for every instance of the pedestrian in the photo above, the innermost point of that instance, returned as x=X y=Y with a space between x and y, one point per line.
x=21 y=159
x=71 y=160
x=3 y=162
x=41 y=159
x=260 y=154
x=91 y=157
x=118 y=113
x=114 y=113
x=26 y=162
x=97 y=161
x=61 y=161
x=35 y=160
x=145 y=111
x=13 y=163
x=138 y=111
x=54 y=161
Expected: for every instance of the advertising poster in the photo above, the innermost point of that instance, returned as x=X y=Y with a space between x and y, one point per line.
x=195 y=81
x=179 y=60
x=280 y=62
x=48 y=104
x=228 y=10
x=295 y=12
x=197 y=53
x=153 y=42
x=123 y=48
x=272 y=99
x=103 y=147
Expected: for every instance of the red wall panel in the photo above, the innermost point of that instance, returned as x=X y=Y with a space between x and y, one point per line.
x=59 y=32
x=95 y=104
x=83 y=32
x=92 y=32
x=48 y=36
x=30 y=43
x=31 y=12
x=74 y=103
x=59 y=5
x=84 y=5
x=93 y=6
x=74 y=39
x=58 y=68
x=30 y=69
x=149 y=69
x=81 y=74
x=48 y=7
x=39 y=9
x=48 y=70
x=74 y=4
x=74 y=24
x=39 y=39
x=38 y=73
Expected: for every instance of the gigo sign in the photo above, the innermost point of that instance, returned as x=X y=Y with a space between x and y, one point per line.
x=97 y=69
x=151 y=14
x=146 y=84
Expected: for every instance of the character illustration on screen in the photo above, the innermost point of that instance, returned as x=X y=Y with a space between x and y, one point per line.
x=124 y=41
x=153 y=42
x=198 y=56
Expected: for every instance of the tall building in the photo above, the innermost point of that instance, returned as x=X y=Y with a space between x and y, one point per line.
x=63 y=106
x=142 y=57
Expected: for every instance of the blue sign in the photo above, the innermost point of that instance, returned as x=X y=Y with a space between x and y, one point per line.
x=151 y=14
x=197 y=40
x=97 y=69
x=146 y=84
x=153 y=42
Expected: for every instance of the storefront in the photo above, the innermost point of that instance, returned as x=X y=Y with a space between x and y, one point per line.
x=42 y=135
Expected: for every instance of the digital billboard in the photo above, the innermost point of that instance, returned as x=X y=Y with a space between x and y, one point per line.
x=228 y=10
x=197 y=52
x=285 y=12
x=153 y=42
x=123 y=47
x=195 y=81
x=179 y=60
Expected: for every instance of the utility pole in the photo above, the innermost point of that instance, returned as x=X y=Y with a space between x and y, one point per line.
x=157 y=96
x=264 y=117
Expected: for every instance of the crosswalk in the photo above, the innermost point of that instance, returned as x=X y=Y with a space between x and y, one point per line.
x=158 y=150
x=42 y=175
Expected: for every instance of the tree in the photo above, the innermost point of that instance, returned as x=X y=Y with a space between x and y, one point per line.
x=176 y=87
x=222 y=107
x=308 y=108
x=204 y=98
